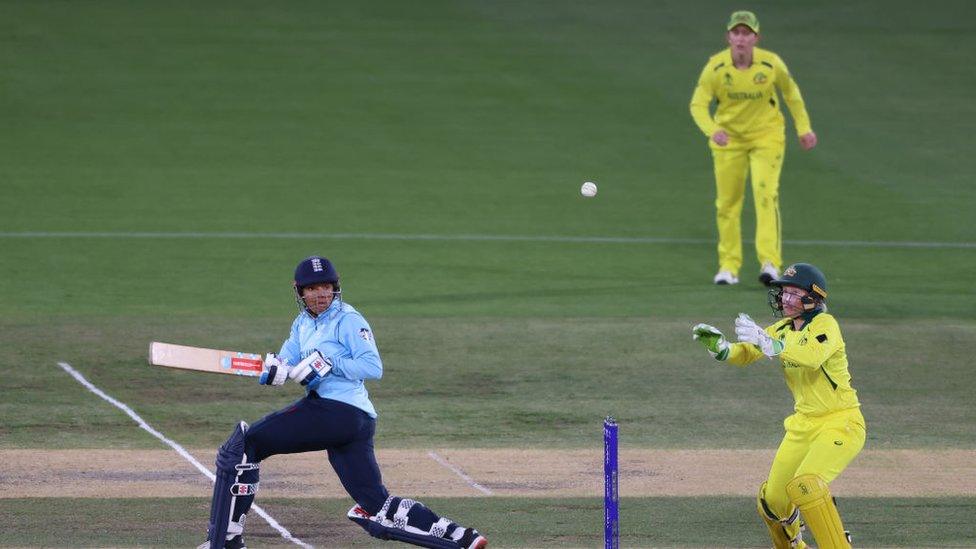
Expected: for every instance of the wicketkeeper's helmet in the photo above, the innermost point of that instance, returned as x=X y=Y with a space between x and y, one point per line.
x=800 y=275
x=315 y=270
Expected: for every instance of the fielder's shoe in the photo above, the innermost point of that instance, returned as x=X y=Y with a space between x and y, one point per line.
x=472 y=540
x=725 y=278
x=768 y=273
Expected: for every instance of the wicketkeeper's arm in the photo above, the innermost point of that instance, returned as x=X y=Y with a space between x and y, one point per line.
x=712 y=339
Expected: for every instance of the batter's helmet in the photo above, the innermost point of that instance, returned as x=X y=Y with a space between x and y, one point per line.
x=800 y=275
x=315 y=270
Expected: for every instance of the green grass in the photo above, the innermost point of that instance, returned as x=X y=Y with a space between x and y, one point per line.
x=509 y=522
x=392 y=120
x=544 y=382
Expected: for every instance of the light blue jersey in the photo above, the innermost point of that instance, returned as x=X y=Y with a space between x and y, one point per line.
x=341 y=334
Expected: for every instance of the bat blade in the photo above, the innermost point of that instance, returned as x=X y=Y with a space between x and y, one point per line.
x=205 y=360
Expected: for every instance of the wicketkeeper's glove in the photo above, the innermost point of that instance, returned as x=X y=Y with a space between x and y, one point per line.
x=712 y=339
x=748 y=331
x=274 y=371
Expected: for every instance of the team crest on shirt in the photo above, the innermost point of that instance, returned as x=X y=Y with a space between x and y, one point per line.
x=760 y=78
x=365 y=334
x=802 y=342
x=728 y=79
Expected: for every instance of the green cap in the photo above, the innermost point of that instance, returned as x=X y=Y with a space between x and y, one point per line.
x=746 y=18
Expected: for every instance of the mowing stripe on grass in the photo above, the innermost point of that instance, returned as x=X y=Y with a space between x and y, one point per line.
x=179 y=449
x=434 y=455
x=478 y=238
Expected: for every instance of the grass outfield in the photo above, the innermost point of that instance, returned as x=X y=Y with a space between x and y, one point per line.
x=525 y=523
x=535 y=383
x=154 y=155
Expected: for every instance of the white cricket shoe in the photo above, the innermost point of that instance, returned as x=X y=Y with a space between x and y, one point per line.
x=768 y=273
x=725 y=278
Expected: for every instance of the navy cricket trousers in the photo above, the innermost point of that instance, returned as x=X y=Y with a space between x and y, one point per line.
x=313 y=424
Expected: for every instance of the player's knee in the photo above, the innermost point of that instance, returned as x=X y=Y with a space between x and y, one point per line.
x=774 y=500
x=807 y=488
x=232 y=451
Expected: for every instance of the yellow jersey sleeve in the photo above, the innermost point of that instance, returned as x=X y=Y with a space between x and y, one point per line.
x=701 y=101
x=743 y=354
x=791 y=95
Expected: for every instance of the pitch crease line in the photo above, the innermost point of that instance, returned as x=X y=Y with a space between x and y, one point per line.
x=175 y=446
x=436 y=457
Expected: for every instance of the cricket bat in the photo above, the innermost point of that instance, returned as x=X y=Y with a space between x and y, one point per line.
x=205 y=360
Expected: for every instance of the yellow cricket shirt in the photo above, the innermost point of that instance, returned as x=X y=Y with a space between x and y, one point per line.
x=814 y=361
x=747 y=102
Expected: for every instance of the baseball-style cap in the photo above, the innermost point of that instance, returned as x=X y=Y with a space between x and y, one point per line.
x=746 y=18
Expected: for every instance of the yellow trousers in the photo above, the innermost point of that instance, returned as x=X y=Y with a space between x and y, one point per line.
x=763 y=158
x=822 y=446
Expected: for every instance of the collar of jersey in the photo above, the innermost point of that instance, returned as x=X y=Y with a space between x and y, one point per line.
x=807 y=317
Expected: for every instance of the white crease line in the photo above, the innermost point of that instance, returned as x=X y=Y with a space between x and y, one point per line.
x=175 y=446
x=433 y=455
x=477 y=238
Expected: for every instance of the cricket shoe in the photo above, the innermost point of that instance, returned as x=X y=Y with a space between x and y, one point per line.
x=725 y=278
x=236 y=542
x=768 y=273
x=471 y=539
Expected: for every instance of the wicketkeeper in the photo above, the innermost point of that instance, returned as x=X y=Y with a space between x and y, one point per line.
x=330 y=352
x=826 y=430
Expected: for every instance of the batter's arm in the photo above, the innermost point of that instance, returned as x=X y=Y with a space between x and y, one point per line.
x=290 y=352
x=363 y=360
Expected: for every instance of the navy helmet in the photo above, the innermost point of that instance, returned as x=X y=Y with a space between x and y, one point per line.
x=315 y=270
x=800 y=275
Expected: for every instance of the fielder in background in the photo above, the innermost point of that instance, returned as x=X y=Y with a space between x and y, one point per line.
x=826 y=430
x=747 y=134
x=330 y=352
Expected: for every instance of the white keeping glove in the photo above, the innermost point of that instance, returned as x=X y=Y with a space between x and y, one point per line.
x=311 y=371
x=748 y=331
x=274 y=371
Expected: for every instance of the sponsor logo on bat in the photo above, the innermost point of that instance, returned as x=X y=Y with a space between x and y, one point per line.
x=248 y=363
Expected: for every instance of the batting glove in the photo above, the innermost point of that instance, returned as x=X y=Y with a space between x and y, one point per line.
x=274 y=371
x=712 y=339
x=748 y=331
x=311 y=371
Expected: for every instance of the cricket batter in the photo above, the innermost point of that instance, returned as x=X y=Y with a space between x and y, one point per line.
x=826 y=430
x=747 y=134
x=330 y=352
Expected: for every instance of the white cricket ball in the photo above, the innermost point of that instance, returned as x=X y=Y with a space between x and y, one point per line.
x=588 y=189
